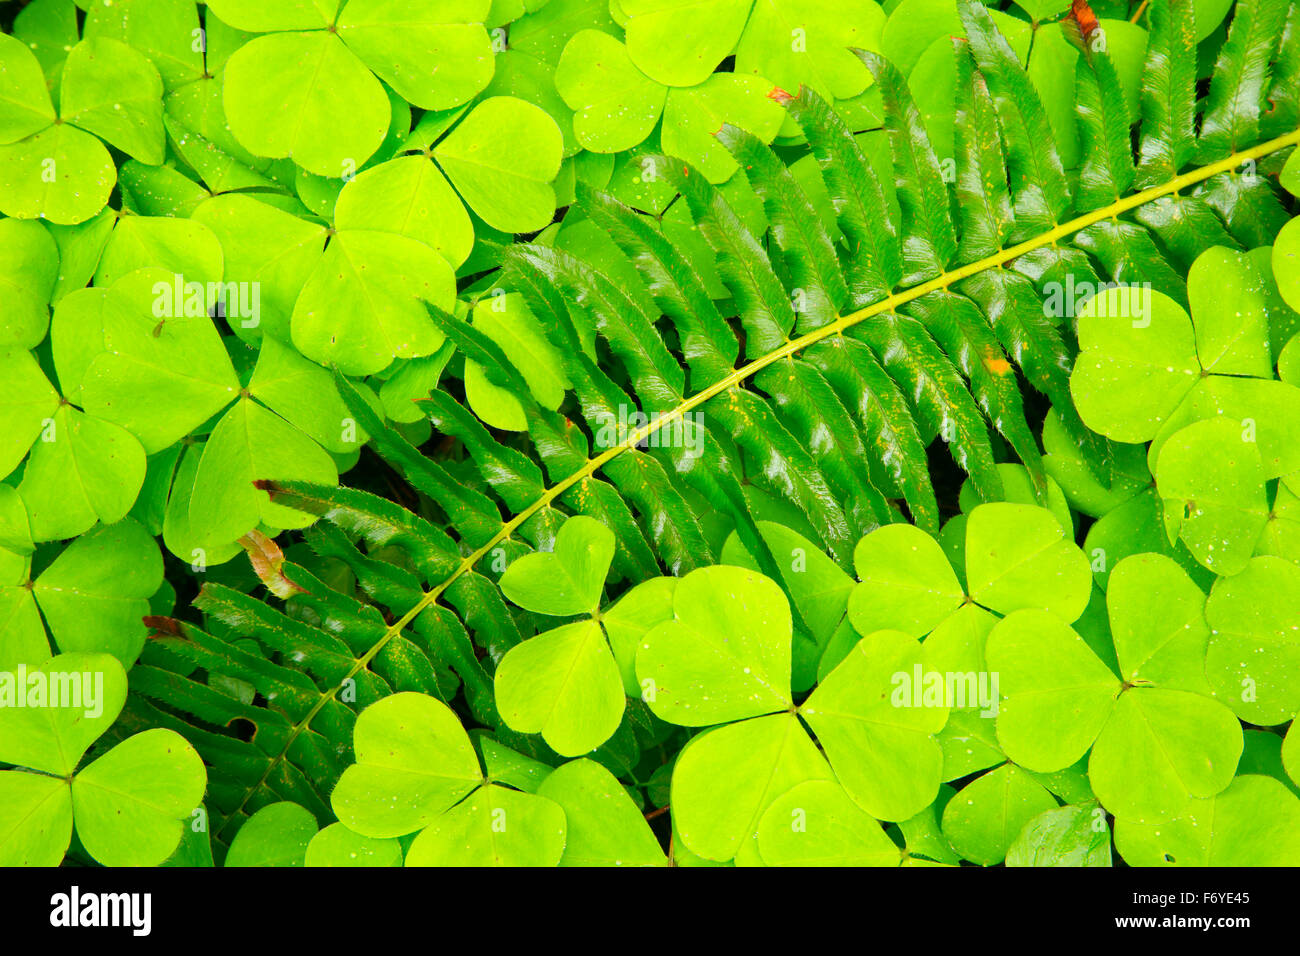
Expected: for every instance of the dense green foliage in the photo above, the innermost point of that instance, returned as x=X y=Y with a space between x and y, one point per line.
x=572 y=432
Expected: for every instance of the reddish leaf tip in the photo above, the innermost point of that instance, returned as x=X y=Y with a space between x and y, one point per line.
x=1082 y=14
x=160 y=625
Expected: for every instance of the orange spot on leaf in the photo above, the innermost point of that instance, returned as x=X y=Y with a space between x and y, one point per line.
x=996 y=364
x=1082 y=14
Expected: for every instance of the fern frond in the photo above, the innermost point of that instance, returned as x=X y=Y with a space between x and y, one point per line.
x=1040 y=191
x=929 y=241
x=1168 y=93
x=1240 y=86
x=872 y=251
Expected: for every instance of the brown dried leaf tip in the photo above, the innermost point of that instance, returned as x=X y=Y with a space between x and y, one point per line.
x=162 y=626
x=262 y=484
x=268 y=564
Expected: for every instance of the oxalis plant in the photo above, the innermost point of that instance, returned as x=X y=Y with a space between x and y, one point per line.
x=568 y=432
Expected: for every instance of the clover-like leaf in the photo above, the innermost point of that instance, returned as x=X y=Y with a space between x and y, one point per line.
x=276 y=835
x=414 y=761
x=362 y=306
x=816 y=824
x=24 y=640
x=27 y=277
x=171 y=244
x=906 y=584
x=725 y=779
x=35 y=819
x=257 y=17
x=789 y=42
x=1067 y=836
x=252 y=444
x=61 y=174
x=113 y=91
x=199 y=131
x=267 y=249
x=1157 y=620
x=94 y=594
x=502 y=158
x=52 y=738
x=434 y=53
x=565 y=685
x=1058 y=694
x=567 y=580
x=493 y=404
x=820 y=591
x=726 y=653
x=1160 y=749
x=985 y=817
x=922 y=836
x=181 y=536
x=604 y=826
x=506 y=320
x=795 y=43
x=25 y=106
x=408 y=195
x=1253 y=658
x=129 y=805
x=336 y=845
x=615 y=105
x=693 y=117
x=1018 y=556
x=164 y=370
x=627 y=622
x=1211 y=480
x=1137 y=527
x=818 y=586
x=968 y=740
x=510 y=767
x=304 y=394
x=1132 y=371
x=680 y=44
x=1254 y=822
x=879 y=742
x=26 y=406
x=132 y=804
x=279 y=104
x=493 y=826
x=1230 y=309
x=163 y=31
x=83 y=470
x=1269 y=412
